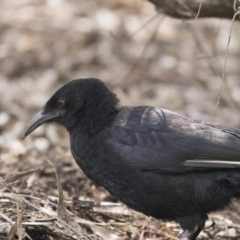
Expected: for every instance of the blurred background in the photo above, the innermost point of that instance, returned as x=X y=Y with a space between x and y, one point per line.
x=144 y=57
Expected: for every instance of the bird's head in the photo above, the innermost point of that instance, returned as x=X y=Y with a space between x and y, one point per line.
x=78 y=100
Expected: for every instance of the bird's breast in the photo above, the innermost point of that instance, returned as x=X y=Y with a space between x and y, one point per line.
x=102 y=165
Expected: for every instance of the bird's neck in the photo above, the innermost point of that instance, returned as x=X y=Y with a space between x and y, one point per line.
x=95 y=117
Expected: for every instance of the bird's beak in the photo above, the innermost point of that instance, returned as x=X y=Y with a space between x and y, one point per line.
x=38 y=120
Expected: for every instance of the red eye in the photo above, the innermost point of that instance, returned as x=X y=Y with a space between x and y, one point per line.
x=61 y=102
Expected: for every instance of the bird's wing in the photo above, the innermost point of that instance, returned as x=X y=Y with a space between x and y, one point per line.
x=154 y=139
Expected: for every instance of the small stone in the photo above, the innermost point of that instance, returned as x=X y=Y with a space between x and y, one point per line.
x=4 y=118
x=203 y=235
x=17 y=147
x=221 y=233
x=231 y=232
x=41 y=144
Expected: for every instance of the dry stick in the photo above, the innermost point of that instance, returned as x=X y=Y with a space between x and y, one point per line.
x=185 y=6
x=198 y=13
x=134 y=32
x=211 y=67
x=61 y=209
x=41 y=210
x=235 y=6
x=80 y=220
x=57 y=218
x=6 y=218
x=16 y=176
x=19 y=223
x=147 y=219
x=225 y=61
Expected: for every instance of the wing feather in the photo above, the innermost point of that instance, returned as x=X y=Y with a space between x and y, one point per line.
x=154 y=139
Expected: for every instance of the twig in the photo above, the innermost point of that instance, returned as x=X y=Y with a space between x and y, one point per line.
x=134 y=32
x=226 y=56
x=235 y=6
x=6 y=218
x=199 y=10
x=143 y=226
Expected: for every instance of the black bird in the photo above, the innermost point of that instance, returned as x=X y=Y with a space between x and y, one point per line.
x=153 y=160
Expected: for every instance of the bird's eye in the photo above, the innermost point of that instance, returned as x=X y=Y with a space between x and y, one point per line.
x=61 y=102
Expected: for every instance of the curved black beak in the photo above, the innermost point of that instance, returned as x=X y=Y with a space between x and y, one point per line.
x=38 y=120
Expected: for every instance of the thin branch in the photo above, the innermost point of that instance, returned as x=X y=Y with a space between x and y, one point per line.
x=235 y=6
x=134 y=32
x=226 y=57
x=199 y=10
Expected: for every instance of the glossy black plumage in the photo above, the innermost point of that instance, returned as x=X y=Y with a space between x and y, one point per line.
x=153 y=160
